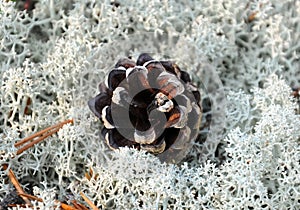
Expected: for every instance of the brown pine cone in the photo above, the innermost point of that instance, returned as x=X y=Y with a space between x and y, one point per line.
x=149 y=105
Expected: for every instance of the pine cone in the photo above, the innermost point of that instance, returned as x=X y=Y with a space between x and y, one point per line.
x=149 y=105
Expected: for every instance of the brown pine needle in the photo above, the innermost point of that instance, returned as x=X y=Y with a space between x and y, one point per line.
x=41 y=136
x=89 y=202
x=27 y=146
x=252 y=16
x=67 y=207
x=83 y=207
x=18 y=187
x=79 y=206
x=31 y=197
x=75 y=204
x=17 y=205
x=23 y=141
x=89 y=174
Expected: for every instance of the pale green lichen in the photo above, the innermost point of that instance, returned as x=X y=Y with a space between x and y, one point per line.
x=53 y=58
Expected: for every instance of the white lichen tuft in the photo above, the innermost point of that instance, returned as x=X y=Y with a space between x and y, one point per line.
x=244 y=56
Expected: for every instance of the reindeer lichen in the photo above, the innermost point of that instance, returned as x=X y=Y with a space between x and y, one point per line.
x=243 y=56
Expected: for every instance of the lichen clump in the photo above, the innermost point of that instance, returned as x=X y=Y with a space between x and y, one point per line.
x=242 y=55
